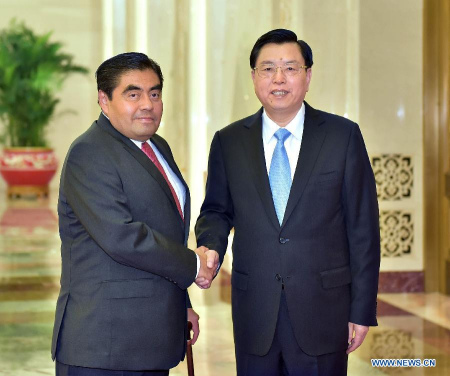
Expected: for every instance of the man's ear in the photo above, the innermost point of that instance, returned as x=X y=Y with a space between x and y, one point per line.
x=103 y=101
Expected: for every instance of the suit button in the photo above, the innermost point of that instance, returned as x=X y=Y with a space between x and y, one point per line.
x=278 y=277
x=283 y=240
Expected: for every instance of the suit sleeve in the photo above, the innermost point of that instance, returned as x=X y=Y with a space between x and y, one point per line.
x=362 y=222
x=216 y=215
x=93 y=189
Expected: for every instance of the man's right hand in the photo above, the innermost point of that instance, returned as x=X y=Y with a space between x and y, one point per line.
x=209 y=261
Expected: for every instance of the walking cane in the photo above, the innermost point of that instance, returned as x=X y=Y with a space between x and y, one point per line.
x=190 y=359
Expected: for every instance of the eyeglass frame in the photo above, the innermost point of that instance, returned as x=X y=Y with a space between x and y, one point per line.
x=281 y=68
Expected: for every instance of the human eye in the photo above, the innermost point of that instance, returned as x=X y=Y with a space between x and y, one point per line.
x=267 y=68
x=133 y=95
x=291 y=68
x=155 y=95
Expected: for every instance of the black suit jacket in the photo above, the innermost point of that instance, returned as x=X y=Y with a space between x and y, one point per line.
x=326 y=252
x=125 y=265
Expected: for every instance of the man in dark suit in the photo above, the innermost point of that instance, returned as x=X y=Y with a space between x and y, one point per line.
x=124 y=215
x=297 y=186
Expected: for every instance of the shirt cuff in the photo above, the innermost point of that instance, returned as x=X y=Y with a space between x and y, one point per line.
x=198 y=265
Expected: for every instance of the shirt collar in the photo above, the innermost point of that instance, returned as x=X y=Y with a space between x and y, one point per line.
x=295 y=126
x=139 y=143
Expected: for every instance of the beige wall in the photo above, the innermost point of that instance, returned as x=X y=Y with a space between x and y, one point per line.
x=368 y=67
x=391 y=108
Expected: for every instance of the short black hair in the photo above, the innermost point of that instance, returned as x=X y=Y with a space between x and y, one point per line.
x=281 y=36
x=109 y=72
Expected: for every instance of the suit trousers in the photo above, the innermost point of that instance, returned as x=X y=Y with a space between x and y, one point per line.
x=285 y=357
x=66 y=370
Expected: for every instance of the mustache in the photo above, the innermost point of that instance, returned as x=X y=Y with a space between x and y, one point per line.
x=144 y=115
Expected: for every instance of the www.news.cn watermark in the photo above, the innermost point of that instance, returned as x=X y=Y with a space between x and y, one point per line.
x=403 y=362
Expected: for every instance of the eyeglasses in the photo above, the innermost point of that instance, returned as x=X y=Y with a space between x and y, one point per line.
x=269 y=70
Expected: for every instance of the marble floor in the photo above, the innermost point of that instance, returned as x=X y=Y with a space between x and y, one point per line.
x=411 y=326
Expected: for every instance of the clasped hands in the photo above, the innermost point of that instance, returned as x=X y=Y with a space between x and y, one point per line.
x=209 y=263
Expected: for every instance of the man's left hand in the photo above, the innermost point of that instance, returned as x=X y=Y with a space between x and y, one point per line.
x=356 y=335
x=193 y=318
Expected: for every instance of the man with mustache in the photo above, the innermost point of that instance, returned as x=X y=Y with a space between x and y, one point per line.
x=124 y=214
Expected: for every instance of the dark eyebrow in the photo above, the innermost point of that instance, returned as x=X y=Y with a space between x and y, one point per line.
x=131 y=88
x=156 y=87
x=134 y=87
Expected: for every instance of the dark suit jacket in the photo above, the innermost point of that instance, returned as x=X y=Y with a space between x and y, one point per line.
x=327 y=250
x=125 y=265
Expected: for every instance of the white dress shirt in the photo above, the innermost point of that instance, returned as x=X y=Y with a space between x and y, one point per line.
x=292 y=143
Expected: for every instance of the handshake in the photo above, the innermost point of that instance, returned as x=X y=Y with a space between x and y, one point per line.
x=209 y=263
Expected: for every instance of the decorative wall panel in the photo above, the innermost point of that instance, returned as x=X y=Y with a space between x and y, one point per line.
x=399 y=202
x=393 y=344
x=394 y=176
x=397 y=233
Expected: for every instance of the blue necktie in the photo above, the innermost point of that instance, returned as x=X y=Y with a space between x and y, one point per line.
x=280 y=174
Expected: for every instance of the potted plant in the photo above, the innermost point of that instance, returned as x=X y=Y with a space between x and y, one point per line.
x=32 y=69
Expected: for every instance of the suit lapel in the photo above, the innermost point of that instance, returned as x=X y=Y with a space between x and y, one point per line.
x=157 y=140
x=144 y=161
x=312 y=141
x=255 y=152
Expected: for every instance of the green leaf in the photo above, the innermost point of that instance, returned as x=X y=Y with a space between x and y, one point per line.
x=32 y=70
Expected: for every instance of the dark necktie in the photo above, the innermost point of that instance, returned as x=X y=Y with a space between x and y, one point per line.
x=151 y=154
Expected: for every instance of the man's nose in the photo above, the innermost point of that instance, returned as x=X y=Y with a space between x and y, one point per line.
x=146 y=102
x=279 y=75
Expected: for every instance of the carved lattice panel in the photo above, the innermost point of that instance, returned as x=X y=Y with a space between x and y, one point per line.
x=394 y=176
x=397 y=233
x=393 y=344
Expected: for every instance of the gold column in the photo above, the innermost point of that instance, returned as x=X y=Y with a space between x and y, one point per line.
x=436 y=84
